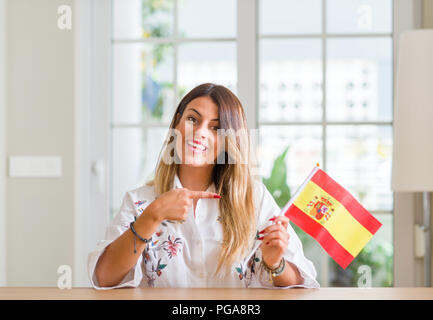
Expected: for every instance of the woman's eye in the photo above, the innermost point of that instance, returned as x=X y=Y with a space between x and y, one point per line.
x=191 y=119
x=215 y=128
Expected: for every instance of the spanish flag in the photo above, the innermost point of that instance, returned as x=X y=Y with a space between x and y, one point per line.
x=332 y=216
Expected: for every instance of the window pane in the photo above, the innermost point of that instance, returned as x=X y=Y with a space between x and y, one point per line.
x=290 y=80
x=142 y=82
x=290 y=16
x=377 y=255
x=207 y=62
x=359 y=79
x=359 y=16
x=207 y=18
x=305 y=150
x=359 y=158
x=142 y=18
x=134 y=158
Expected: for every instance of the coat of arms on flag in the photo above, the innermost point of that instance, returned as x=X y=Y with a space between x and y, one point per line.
x=332 y=216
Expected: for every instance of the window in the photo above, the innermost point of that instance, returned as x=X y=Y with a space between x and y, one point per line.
x=324 y=87
x=325 y=93
x=160 y=50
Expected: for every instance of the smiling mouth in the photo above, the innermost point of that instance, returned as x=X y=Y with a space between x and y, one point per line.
x=195 y=146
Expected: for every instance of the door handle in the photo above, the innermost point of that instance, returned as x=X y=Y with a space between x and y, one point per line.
x=98 y=168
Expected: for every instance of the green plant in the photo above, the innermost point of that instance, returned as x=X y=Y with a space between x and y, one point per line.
x=378 y=255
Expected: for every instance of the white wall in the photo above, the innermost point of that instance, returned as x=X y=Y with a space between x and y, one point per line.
x=40 y=121
x=2 y=144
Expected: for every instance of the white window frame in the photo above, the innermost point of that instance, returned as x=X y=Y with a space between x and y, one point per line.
x=93 y=105
x=92 y=135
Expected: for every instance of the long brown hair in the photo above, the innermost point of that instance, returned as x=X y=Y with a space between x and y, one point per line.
x=232 y=179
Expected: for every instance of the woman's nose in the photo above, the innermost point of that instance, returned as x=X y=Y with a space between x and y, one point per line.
x=200 y=131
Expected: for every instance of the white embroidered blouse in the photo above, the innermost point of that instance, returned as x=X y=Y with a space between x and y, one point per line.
x=185 y=254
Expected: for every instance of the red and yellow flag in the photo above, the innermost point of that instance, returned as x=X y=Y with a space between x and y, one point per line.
x=332 y=216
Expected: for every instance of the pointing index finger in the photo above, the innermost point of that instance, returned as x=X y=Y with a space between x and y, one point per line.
x=203 y=195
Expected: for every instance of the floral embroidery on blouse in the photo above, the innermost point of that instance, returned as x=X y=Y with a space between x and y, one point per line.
x=172 y=246
x=247 y=272
x=242 y=273
x=155 y=272
x=252 y=263
x=139 y=204
x=159 y=267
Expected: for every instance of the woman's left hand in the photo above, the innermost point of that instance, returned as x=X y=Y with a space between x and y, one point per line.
x=275 y=239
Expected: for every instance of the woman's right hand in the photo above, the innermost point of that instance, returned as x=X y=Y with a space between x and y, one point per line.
x=175 y=204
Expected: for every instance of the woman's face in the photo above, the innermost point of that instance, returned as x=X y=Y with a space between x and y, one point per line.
x=198 y=129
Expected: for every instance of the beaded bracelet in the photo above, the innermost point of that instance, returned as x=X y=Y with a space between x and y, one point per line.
x=275 y=272
x=131 y=225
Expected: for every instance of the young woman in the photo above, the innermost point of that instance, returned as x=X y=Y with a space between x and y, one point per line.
x=204 y=220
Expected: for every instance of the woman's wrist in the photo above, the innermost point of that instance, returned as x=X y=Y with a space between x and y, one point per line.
x=152 y=213
x=273 y=265
x=148 y=221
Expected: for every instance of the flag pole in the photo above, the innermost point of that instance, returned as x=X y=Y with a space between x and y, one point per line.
x=292 y=199
x=299 y=190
